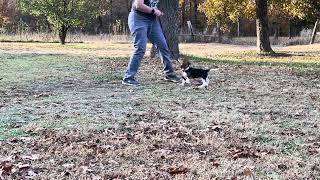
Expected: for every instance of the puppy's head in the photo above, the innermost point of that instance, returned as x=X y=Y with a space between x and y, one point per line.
x=185 y=64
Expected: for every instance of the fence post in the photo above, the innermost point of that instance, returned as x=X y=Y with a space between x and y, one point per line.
x=314 y=33
x=190 y=29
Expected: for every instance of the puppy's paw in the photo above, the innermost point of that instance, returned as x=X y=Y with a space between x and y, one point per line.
x=201 y=87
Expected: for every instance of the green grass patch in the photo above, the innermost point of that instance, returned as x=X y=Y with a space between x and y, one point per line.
x=8 y=133
x=292 y=146
x=71 y=123
x=109 y=76
x=263 y=139
x=263 y=173
x=31 y=68
x=114 y=58
x=288 y=124
x=20 y=69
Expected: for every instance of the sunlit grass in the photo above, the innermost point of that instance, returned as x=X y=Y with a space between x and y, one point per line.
x=31 y=68
x=252 y=99
x=291 y=54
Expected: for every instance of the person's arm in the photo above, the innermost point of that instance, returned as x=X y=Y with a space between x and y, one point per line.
x=140 y=6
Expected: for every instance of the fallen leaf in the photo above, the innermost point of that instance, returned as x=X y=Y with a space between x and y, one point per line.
x=25 y=139
x=315 y=167
x=177 y=170
x=66 y=173
x=215 y=128
x=282 y=167
x=31 y=158
x=6 y=168
x=244 y=153
x=214 y=162
x=86 y=169
x=7 y=159
x=23 y=166
x=68 y=165
x=41 y=95
x=31 y=173
x=205 y=152
x=248 y=171
x=313 y=150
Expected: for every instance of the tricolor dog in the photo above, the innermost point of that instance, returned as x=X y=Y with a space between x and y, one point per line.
x=194 y=73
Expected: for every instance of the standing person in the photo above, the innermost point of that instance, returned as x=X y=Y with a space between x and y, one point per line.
x=144 y=24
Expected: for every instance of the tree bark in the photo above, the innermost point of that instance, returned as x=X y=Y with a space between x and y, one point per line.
x=63 y=30
x=183 y=15
x=290 y=30
x=238 y=27
x=276 y=31
x=154 y=51
x=219 y=33
x=111 y=11
x=100 y=25
x=263 y=41
x=63 y=34
x=314 y=33
x=170 y=25
x=195 y=3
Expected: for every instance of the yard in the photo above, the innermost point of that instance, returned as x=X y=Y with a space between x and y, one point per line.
x=65 y=114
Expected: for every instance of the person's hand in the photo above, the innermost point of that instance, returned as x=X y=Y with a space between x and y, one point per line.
x=158 y=13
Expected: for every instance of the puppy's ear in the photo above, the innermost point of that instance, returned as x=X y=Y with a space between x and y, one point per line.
x=187 y=63
x=183 y=59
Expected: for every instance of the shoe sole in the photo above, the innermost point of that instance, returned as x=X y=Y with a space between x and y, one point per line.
x=170 y=80
x=128 y=84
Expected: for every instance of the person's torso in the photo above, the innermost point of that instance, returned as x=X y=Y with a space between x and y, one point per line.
x=150 y=3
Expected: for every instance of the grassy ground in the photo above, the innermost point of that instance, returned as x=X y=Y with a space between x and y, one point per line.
x=63 y=114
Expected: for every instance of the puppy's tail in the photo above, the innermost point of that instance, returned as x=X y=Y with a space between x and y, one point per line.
x=214 y=68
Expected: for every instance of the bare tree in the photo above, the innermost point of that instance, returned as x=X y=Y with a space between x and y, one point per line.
x=263 y=41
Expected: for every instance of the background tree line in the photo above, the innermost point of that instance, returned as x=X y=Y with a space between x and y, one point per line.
x=221 y=17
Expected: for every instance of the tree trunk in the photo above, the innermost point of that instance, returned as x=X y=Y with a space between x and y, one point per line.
x=129 y=6
x=190 y=8
x=100 y=25
x=238 y=28
x=195 y=3
x=154 y=51
x=170 y=25
x=63 y=34
x=275 y=31
x=314 y=33
x=290 y=29
x=219 y=33
x=48 y=26
x=183 y=15
x=111 y=11
x=263 y=41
